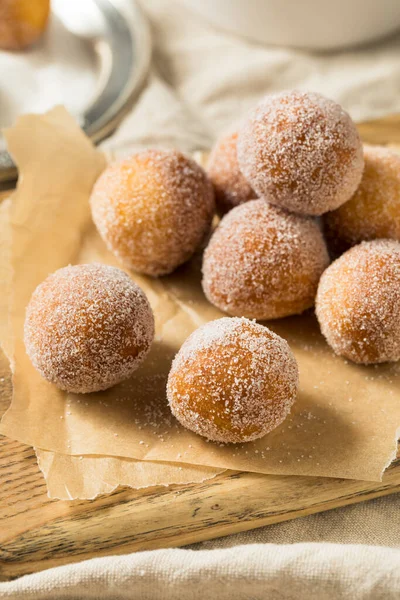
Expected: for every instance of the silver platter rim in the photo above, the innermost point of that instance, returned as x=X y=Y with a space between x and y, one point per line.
x=124 y=56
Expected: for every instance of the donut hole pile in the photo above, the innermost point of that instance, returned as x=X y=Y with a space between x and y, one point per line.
x=303 y=157
x=296 y=157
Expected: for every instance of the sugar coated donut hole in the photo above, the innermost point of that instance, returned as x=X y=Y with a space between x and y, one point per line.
x=374 y=210
x=358 y=303
x=153 y=210
x=230 y=185
x=302 y=152
x=22 y=22
x=233 y=380
x=263 y=262
x=88 y=327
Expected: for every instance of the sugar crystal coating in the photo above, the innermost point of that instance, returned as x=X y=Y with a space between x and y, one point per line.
x=263 y=262
x=302 y=152
x=230 y=185
x=88 y=327
x=358 y=303
x=153 y=210
x=373 y=212
x=233 y=380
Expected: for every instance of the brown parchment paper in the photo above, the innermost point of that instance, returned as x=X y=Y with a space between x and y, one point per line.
x=344 y=423
x=85 y=477
x=5 y=277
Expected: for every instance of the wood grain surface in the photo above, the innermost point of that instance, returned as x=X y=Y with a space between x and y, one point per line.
x=37 y=533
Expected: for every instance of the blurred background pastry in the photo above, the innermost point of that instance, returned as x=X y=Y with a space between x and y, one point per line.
x=22 y=22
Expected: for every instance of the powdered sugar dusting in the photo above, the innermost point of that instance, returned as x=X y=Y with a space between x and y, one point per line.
x=88 y=327
x=233 y=380
x=230 y=185
x=374 y=210
x=153 y=209
x=358 y=303
x=301 y=151
x=263 y=262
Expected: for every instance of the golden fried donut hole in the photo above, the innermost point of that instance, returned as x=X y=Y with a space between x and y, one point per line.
x=374 y=210
x=230 y=185
x=22 y=22
x=88 y=327
x=358 y=303
x=232 y=381
x=153 y=210
x=263 y=262
x=302 y=152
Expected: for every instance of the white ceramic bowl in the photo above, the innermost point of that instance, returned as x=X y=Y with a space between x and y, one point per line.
x=314 y=24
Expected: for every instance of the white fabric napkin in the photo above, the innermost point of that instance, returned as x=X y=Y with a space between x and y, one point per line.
x=203 y=80
x=255 y=572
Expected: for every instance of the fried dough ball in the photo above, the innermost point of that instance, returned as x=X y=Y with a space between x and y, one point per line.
x=230 y=186
x=22 y=22
x=153 y=210
x=232 y=381
x=374 y=210
x=358 y=303
x=263 y=262
x=88 y=327
x=302 y=152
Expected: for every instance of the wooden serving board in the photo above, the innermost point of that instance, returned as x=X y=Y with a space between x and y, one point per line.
x=37 y=533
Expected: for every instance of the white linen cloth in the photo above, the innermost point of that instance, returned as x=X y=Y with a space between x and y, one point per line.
x=254 y=572
x=202 y=81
